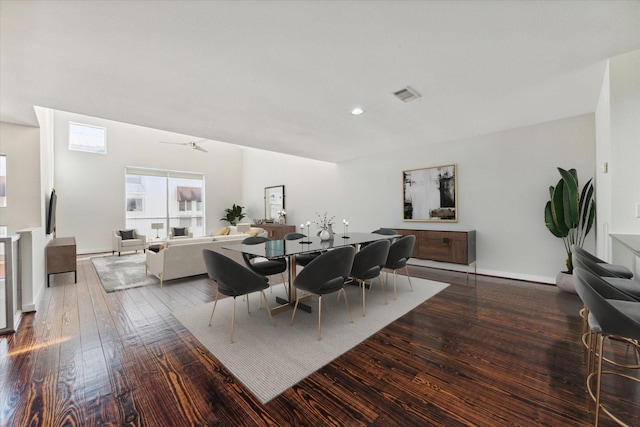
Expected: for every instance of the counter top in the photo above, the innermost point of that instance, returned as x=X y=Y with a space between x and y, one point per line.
x=631 y=241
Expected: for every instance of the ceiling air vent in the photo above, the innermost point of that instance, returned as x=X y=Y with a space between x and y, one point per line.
x=407 y=94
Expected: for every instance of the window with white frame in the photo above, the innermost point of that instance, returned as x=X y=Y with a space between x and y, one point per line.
x=87 y=138
x=171 y=197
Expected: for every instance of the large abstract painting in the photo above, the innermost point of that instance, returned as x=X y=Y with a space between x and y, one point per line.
x=430 y=194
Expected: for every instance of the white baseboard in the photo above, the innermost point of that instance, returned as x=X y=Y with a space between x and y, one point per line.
x=484 y=272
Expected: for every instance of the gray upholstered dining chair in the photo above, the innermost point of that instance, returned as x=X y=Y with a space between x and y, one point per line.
x=399 y=253
x=233 y=280
x=264 y=267
x=325 y=275
x=611 y=314
x=614 y=270
x=367 y=265
x=385 y=232
x=302 y=259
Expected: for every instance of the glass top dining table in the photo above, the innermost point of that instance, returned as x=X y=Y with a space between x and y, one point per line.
x=286 y=248
x=273 y=249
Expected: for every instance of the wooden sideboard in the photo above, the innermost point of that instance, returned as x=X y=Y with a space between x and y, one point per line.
x=276 y=231
x=455 y=247
x=61 y=257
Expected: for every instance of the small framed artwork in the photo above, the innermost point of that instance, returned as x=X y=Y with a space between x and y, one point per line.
x=430 y=194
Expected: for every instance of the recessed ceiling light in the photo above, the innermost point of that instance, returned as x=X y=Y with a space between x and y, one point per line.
x=357 y=111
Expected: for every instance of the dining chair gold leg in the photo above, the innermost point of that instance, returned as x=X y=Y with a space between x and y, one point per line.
x=346 y=301
x=214 y=308
x=364 y=288
x=408 y=277
x=395 y=288
x=295 y=307
x=233 y=317
x=319 y=317
x=284 y=283
x=384 y=293
x=266 y=303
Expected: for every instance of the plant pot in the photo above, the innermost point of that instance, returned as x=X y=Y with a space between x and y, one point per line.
x=564 y=282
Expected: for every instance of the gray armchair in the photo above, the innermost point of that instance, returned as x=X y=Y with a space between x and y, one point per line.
x=128 y=240
x=180 y=233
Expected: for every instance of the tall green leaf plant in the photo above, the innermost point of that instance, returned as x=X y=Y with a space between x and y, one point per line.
x=233 y=214
x=569 y=214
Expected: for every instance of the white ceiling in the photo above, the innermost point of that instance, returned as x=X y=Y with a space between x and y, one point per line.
x=284 y=75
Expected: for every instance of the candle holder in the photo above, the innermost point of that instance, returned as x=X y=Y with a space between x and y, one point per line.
x=306 y=242
x=345 y=225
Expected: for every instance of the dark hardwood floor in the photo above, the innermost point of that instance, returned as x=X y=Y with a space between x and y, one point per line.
x=497 y=353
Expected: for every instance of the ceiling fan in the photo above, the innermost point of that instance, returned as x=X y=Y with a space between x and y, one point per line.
x=191 y=144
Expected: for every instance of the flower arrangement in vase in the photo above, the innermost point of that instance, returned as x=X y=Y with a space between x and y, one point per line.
x=281 y=216
x=325 y=224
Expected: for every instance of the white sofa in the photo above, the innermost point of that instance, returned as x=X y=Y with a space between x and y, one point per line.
x=245 y=229
x=183 y=257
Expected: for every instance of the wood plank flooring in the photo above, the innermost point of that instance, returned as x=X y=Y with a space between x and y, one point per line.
x=495 y=352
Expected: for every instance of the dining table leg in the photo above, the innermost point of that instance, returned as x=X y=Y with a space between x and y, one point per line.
x=287 y=304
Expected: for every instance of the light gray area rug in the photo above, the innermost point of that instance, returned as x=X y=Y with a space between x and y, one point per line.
x=268 y=360
x=117 y=273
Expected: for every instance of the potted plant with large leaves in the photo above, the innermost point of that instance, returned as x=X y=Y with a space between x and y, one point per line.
x=569 y=215
x=233 y=214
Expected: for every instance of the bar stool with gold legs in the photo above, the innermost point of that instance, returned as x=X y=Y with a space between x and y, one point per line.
x=630 y=288
x=616 y=319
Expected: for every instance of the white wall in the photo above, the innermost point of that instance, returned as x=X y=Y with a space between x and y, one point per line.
x=21 y=144
x=503 y=181
x=25 y=205
x=603 y=177
x=625 y=141
x=310 y=186
x=90 y=187
x=624 y=82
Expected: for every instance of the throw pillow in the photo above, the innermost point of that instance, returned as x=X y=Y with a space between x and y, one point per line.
x=252 y=233
x=223 y=231
x=156 y=248
x=127 y=234
x=179 y=232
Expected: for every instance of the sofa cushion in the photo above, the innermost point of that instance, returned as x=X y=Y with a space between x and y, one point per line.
x=238 y=237
x=189 y=241
x=157 y=247
x=179 y=231
x=131 y=243
x=223 y=231
x=127 y=234
x=244 y=227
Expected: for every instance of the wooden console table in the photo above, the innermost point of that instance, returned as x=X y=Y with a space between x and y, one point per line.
x=61 y=257
x=276 y=231
x=455 y=247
